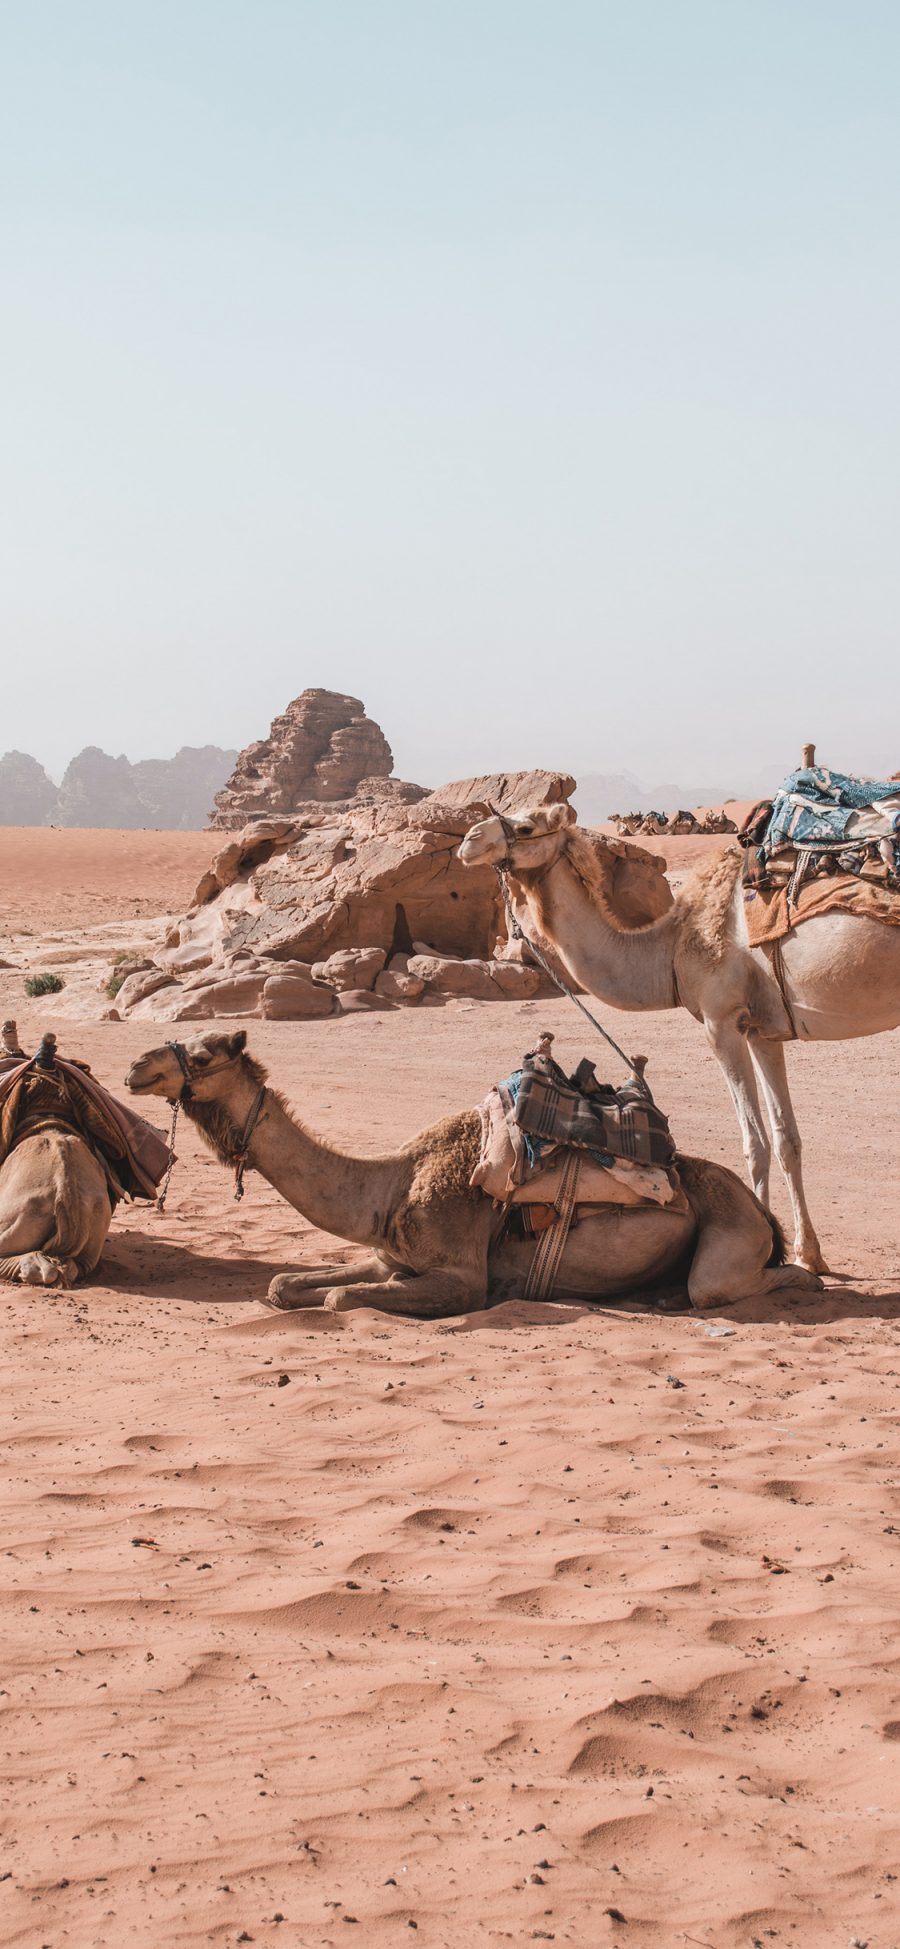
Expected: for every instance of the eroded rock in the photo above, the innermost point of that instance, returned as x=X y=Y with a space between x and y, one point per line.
x=322 y=749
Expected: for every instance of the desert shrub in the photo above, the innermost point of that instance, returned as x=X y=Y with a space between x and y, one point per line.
x=114 y=984
x=43 y=984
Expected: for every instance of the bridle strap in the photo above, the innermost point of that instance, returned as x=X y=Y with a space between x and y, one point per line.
x=185 y=1096
x=183 y=1060
x=240 y=1160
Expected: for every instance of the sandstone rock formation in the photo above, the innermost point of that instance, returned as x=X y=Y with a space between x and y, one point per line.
x=355 y=907
x=507 y=790
x=322 y=750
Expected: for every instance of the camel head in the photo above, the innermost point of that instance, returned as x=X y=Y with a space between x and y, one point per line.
x=200 y=1063
x=524 y=841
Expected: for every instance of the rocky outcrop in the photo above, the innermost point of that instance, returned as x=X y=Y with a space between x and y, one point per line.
x=367 y=906
x=27 y=796
x=322 y=750
x=507 y=790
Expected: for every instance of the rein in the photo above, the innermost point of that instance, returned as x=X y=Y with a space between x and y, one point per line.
x=518 y=934
x=184 y=1097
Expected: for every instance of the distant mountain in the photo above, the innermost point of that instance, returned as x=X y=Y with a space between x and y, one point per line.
x=598 y=795
x=27 y=796
x=173 y=794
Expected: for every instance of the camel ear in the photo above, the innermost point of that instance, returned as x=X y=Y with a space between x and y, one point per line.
x=237 y=1042
x=560 y=815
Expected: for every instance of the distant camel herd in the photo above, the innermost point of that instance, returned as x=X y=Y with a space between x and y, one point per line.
x=654 y=824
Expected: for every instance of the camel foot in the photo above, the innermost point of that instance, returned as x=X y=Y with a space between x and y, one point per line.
x=289 y=1290
x=672 y=1303
x=37 y=1269
x=342 y=1299
x=798 y=1279
x=812 y=1259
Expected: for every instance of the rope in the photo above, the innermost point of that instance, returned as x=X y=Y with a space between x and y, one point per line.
x=161 y=1200
x=518 y=934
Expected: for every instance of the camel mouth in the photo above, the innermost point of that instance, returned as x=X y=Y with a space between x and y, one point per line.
x=140 y=1085
x=478 y=852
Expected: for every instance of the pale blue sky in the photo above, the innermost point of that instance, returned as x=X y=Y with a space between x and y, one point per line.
x=529 y=370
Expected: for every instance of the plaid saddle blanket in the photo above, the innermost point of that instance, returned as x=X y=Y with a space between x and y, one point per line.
x=550 y=1107
x=538 y=1112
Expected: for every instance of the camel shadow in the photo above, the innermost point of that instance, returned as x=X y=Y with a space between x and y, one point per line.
x=158 y=1269
x=836 y=1303
x=827 y=1308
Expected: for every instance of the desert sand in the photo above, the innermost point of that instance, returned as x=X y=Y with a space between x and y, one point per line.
x=553 y=1624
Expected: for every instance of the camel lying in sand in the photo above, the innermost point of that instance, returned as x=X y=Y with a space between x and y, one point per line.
x=54 y=1210
x=432 y=1238
x=840 y=971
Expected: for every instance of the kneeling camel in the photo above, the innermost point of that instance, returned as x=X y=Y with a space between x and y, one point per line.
x=433 y=1240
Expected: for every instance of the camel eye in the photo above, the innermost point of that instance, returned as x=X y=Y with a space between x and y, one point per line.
x=525 y=832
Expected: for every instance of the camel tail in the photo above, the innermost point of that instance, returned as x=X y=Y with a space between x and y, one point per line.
x=778 y=1254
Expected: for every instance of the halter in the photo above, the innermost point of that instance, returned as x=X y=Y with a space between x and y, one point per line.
x=633 y=1063
x=186 y=1096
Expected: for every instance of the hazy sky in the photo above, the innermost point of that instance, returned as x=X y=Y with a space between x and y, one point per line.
x=527 y=367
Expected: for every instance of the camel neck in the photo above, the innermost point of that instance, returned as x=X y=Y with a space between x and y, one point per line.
x=348 y=1196
x=628 y=967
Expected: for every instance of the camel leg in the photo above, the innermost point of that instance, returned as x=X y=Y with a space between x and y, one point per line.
x=309 y=1287
x=428 y=1296
x=730 y=1049
x=768 y=1057
x=734 y=1242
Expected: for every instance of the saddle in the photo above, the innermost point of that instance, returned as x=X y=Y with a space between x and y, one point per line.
x=47 y=1092
x=823 y=823
x=555 y=1149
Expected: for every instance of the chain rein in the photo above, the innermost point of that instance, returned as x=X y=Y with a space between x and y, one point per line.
x=240 y=1158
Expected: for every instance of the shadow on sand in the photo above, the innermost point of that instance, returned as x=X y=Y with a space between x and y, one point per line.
x=160 y=1269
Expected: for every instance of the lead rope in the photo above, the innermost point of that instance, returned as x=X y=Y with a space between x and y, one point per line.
x=518 y=934
x=161 y=1200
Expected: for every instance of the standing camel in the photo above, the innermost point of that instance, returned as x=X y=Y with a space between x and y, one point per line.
x=841 y=972
x=434 y=1242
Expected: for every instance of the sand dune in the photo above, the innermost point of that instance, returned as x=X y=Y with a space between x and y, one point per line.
x=550 y=1624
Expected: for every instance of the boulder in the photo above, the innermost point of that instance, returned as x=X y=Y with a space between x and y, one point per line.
x=397 y=986
x=236 y=995
x=517 y=981
x=136 y=987
x=445 y=977
x=505 y=790
x=351 y=968
x=360 y=1001
x=290 y=998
